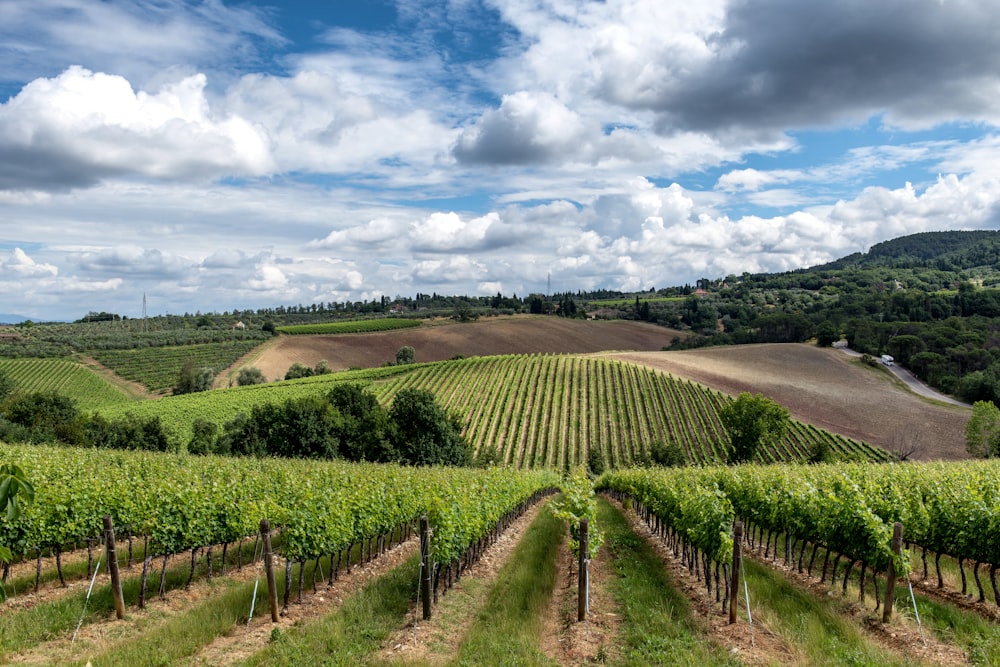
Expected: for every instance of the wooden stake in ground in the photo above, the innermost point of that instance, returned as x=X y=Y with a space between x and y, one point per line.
x=425 y=567
x=584 y=583
x=272 y=589
x=737 y=563
x=890 y=582
x=116 y=582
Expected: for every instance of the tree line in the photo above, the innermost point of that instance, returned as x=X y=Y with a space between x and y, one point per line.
x=346 y=423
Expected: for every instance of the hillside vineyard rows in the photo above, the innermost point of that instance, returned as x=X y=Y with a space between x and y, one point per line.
x=549 y=410
x=538 y=410
x=65 y=377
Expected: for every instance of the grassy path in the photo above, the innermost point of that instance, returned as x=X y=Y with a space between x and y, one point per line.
x=798 y=622
x=949 y=626
x=508 y=628
x=659 y=626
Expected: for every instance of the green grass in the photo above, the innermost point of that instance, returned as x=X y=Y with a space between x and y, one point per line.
x=353 y=326
x=355 y=631
x=979 y=637
x=658 y=627
x=817 y=627
x=182 y=635
x=507 y=629
x=949 y=623
x=59 y=617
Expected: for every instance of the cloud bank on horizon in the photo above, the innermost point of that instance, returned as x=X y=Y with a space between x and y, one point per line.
x=216 y=155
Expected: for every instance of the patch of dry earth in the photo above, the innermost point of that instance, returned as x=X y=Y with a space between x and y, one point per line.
x=824 y=387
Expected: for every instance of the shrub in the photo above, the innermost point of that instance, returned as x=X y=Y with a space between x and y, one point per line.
x=250 y=376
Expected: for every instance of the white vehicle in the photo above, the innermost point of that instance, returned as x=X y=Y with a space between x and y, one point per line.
x=887 y=360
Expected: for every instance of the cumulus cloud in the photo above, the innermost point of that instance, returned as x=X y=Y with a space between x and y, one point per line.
x=752 y=180
x=528 y=128
x=371 y=234
x=323 y=119
x=133 y=261
x=18 y=263
x=77 y=128
x=754 y=68
x=448 y=271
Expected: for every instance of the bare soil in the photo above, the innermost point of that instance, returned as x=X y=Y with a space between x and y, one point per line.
x=445 y=339
x=566 y=640
x=827 y=388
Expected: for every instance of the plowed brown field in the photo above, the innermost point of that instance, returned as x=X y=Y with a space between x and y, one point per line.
x=506 y=335
x=826 y=387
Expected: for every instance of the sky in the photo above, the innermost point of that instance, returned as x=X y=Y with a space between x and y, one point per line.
x=216 y=155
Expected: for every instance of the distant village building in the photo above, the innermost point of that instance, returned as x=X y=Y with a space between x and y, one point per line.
x=239 y=325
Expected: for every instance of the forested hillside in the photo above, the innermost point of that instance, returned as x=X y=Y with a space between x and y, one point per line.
x=930 y=300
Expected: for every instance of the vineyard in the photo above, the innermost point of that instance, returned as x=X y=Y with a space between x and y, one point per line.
x=349 y=327
x=175 y=504
x=159 y=367
x=849 y=510
x=182 y=520
x=551 y=410
x=538 y=410
x=65 y=377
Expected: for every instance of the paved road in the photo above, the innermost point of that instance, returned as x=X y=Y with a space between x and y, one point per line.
x=915 y=385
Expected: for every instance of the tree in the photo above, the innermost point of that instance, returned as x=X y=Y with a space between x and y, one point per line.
x=250 y=375
x=44 y=417
x=827 y=334
x=667 y=454
x=364 y=426
x=982 y=431
x=405 y=355
x=753 y=421
x=203 y=436
x=193 y=379
x=423 y=433
x=298 y=370
x=7 y=385
x=595 y=461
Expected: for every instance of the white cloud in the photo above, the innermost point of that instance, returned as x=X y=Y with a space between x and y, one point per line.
x=81 y=126
x=528 y=128
x=18 y=263
x=752 y=180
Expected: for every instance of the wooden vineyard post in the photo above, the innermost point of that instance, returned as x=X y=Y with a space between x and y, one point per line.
x=425 y=567
x=272 y=589
x=584 y=583
x=116 y=580
x=734 y=589
x=890 y=579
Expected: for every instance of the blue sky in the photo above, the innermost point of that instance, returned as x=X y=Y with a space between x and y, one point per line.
x=216 y=155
